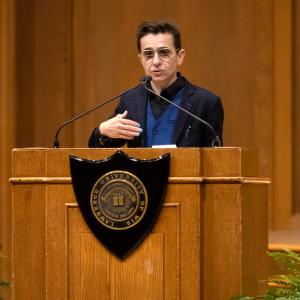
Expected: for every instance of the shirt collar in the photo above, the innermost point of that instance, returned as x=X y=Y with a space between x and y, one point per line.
x=171 y=91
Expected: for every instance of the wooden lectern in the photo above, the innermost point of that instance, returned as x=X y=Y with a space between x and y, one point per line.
x=209 y=242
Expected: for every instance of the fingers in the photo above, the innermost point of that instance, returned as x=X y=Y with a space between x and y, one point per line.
x=120 y=127
x=123 y=115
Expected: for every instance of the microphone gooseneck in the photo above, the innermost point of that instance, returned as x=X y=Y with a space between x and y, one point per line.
x=215 y=142
x=56 y=140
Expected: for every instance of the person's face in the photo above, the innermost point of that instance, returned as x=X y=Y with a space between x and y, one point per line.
x=160 y=59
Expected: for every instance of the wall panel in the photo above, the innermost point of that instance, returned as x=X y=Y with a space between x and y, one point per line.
x=7 y=122
x=282 y=115
x=43 y=59
x=296 y=106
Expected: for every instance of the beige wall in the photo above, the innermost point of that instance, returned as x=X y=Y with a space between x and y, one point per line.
x=72 y=54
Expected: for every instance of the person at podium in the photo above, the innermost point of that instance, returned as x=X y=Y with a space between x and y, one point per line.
x=165 y=109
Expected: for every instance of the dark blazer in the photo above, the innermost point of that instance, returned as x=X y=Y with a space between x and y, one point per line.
x=188 y=131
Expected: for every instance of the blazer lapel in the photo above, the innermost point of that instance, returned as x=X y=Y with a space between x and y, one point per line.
x=186 y=103
x=141 y=113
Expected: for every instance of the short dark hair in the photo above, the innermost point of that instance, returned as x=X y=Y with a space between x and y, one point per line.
x=156 y=28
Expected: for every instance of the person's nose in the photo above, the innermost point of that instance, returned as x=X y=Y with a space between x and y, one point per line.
x=156 y=59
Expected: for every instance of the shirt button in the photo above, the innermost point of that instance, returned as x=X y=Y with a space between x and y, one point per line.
x=155 y=132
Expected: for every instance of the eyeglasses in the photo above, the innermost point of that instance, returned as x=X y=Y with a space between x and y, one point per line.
x=163 y=52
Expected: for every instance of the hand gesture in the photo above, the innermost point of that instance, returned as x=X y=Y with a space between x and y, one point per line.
x=119 y=127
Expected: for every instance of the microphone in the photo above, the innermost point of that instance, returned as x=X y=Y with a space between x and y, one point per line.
x=56 y=140
x=216 y=142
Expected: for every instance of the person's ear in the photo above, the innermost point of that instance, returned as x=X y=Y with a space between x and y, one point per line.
x=180 y=56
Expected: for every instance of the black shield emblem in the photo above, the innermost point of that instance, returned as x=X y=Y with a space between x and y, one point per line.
x=120 y=197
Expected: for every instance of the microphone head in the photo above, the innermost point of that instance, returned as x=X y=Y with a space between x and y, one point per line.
x=145 y=79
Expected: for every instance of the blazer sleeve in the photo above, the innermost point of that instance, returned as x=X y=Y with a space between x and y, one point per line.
x=215 y=117
x=98 y=140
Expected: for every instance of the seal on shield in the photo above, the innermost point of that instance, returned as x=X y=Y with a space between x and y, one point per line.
x=119 y=200
x=120 y=197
